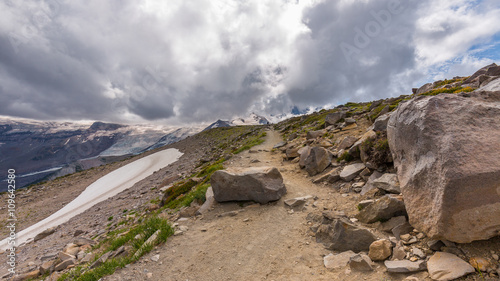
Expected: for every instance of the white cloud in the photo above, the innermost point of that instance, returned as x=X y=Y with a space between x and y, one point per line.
x=184 y=61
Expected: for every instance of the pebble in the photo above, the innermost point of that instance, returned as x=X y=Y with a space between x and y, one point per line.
x=155 y=258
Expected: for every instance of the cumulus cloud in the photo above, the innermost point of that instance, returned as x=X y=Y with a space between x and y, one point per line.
x=183 y=62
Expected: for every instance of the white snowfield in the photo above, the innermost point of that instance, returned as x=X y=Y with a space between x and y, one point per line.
x=102 y=189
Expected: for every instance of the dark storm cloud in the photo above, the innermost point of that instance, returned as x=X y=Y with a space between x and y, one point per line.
x=129 y=61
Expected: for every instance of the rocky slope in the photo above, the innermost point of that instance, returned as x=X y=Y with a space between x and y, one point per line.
x=349 y=182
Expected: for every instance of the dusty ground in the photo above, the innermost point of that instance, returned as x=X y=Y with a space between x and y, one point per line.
x=262 y=242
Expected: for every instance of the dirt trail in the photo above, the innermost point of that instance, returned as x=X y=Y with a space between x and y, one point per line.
x=262 y=242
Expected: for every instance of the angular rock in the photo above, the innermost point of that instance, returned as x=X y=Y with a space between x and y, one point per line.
x=26 y=276
x=382 y=209
x=331 y=177
x=338 y=261
x=65 y=256
x=292 y=152
x=45 y=233
x=481 y=264
x=333 y=118
x=317 y=160
x=351 y=171
x=47 y=267
x=388 y=182
x=297 y=204
x=343 y=235
x=360 y=262
x=292 y=136
x=405 y=266
x=445 y=149
x=260 y=184
x=315 y=134
x=88 y=257
x=398 y=252
x=347 y=142
x=72 y=249
x=63 y=265
x=304 y=154
x=419 y=253
x=435 y=245
x=209 y=202
x=380 y=123
x=84 y=241
x=369 y=184
x=389 y=225
x=380 y=250
x=279 y=145
x=445 y=266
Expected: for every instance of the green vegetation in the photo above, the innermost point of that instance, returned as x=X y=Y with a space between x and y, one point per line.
x=179 y=189
x=345 y=156
x=110 y=218
x=454 y=90
x=142 y=231
x=251 y=142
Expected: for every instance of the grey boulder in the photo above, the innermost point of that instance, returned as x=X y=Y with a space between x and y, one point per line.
x=259 y=184
x=445 y=149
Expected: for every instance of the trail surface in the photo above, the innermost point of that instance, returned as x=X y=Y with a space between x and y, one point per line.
x=105 y=187
x=261 y=242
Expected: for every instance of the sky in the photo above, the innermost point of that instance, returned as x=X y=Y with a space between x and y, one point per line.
x=185 y=62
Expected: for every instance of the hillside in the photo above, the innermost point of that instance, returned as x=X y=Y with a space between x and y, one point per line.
x=351 y=211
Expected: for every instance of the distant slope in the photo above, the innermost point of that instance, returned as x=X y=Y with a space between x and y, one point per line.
x=36 y=149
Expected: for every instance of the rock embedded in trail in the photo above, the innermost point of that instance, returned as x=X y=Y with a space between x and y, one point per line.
x=45 y=233
x=445 y=149
x=259 y=184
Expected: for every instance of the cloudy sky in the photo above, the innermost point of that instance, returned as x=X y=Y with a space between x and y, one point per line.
x=197 y=61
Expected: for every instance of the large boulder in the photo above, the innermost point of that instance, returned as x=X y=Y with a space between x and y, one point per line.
x=259 y=184
x=333 y=118
x=315 y=134
x=445 y=149
x=317 y=160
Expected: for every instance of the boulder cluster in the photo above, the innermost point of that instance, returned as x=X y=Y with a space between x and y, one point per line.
x=429 y=172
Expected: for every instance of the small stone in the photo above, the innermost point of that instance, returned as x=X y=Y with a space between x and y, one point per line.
x=405 y=237
x=421 y=235
x=332 y=261
x=183 y=228
x=419 y=253
x=149 y=275
x=178 y=232
x=413 y=259
x=360 y=262
x=481 y=264
x=435 y=245
x=65 y=264
x=155 y=258
x=404 y=266
x=495 y=257
x=398 y=253
x=65 y=256
x=380 y=250
x=44 y=233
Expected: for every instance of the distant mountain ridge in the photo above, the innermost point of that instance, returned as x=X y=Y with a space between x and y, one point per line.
x=40 y=148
